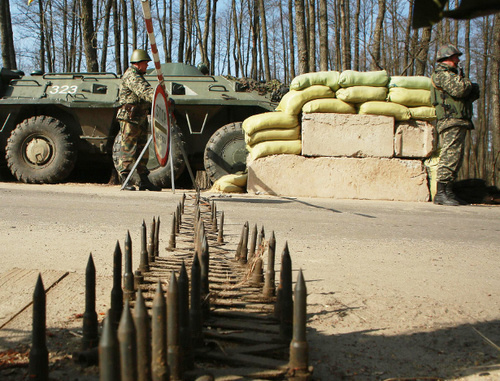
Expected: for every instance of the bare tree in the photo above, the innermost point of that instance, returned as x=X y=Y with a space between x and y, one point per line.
x=180 y=47
x=377 y=36
x=323 y=36
x=89 y=41
x=116 y=33
x=291 y=38
x=105 y=35
x=8 y=52
x=356 y=34
x=265 y=48
x=421 y=62
x=495 y=100
x=237 y=39
x=311 y=31
x=214 y=35
x=301 y=36
x=346 y=39
x=125 y=33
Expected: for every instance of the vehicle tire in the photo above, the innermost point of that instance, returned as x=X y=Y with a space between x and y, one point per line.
x=158 y=175
x=41 y=150
x=225 y=152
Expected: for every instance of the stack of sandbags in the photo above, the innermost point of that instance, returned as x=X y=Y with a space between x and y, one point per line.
x=368 y=90
x=328 y=104
x=272 y=133
x=414 y=93
x=234 y=183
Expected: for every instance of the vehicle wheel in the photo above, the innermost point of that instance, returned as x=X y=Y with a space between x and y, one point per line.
x=225 y=152
x=41 y=150
x=158 y=175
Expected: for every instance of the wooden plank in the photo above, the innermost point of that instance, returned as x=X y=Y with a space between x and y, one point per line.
x=16 y=290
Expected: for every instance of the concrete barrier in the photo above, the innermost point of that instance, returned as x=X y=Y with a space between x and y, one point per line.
x=339 y=177
x=351 y=135
x=414 y=138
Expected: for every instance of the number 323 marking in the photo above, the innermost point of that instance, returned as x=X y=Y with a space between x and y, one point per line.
x=63 y=89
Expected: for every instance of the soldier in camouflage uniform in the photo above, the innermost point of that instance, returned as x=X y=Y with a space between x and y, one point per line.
x=135 y=97
x=452 y=95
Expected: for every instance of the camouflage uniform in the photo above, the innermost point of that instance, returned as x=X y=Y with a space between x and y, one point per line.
x=452 y=95
x=135 y=96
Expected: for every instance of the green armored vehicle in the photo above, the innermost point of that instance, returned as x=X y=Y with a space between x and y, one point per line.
x=49 y=121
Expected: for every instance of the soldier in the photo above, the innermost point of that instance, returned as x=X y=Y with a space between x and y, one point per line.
x=452 y=95
x=135 y=96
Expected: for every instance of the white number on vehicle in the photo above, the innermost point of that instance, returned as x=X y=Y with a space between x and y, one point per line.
x=65 y=89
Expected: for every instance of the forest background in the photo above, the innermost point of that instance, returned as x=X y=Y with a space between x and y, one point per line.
x=263 y=40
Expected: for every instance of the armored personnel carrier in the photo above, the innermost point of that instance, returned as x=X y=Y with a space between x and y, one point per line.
x=48 y=121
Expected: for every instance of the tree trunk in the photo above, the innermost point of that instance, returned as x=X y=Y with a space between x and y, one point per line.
x=125 y=34
x=291 y=39
x=323 y=36
x=285 y=43
x=105 y=36
x=116 y=33
x=168 y=55
x=204 y=42
x=89 y=42
x=214 y=36
x=377 y=37
x=338 y=43
x=423 y=53
x=133 y=22
x=254 y=12
x=238 y=61
x=495 y=100
x=311 y=29
x=465 y=170
x=265 y=47
x=356 y=34
x=180 y=49
x=301 y=36
x=344 y=27
x=8 y=52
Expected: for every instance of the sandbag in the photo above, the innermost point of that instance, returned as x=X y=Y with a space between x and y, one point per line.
x=423 y=112
x=273 y=134
x=238 y=179
x=226 y=187
x=399 y=112
x=292 y=102
x=276 y=147
x=414 y=82
x=361 y=94
x=268 y=120
x=325 y=78
x=409 y=97
x=369 y=78
x=332 y=105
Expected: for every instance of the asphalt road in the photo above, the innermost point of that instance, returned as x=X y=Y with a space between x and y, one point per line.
x=379 y=274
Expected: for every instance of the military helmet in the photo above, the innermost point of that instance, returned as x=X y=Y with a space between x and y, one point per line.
x=203 y=68
x=139 y=55
x=447 y=51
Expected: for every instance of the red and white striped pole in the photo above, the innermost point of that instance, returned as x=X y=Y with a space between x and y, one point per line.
x=146 y=10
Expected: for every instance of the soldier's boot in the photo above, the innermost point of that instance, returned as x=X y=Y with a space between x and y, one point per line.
x=123 y=177
x=452 y=195
x=146 y=184
x=441 y=197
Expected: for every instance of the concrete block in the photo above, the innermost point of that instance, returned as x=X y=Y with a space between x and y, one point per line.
x=351 y=135
x=346 y=178
x=414 y=138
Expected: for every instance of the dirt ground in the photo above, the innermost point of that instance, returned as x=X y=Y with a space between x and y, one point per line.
x=405 y=291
